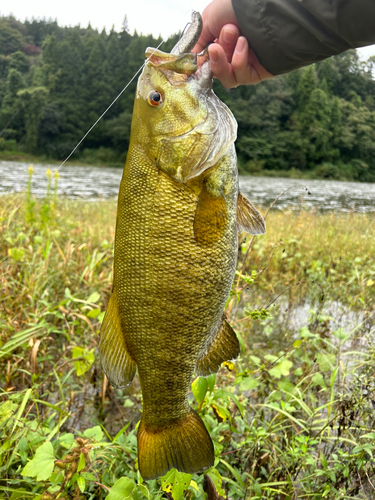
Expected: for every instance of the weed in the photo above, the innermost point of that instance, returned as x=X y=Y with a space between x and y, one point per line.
x=291 y=419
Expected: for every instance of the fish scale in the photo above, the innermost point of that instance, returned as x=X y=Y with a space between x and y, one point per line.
x=175 y=256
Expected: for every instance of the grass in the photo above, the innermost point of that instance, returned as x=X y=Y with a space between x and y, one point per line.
x=292 y=419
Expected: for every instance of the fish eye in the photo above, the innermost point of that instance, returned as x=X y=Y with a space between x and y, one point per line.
x=155 y=98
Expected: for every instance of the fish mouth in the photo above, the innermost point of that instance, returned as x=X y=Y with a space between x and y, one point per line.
x=180 y=60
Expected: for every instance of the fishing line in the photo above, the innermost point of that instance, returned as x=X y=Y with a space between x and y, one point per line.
x=109 y=107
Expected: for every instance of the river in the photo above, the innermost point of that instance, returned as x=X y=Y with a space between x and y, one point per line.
x=93 y=183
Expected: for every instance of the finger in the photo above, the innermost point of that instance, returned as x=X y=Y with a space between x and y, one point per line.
x=228 y=39
x=244 y=73
x=220 y=66
x=246 y=66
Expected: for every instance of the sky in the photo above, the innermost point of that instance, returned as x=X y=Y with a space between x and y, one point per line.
x=164 y=18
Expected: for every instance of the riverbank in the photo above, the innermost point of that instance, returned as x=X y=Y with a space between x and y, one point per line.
x=89 y=161
x=93 y=183
x=280 y=418
x=108 y=158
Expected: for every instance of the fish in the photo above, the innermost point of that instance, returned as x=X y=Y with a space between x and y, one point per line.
x=178 y=217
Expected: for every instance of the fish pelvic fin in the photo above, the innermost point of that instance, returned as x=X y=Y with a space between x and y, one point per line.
x=115 y=359
x=248 y=217
x=224 y=347
x=184 y=444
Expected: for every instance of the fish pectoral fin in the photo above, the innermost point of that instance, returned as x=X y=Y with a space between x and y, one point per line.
x=116 y=361
x=210 y=219
x=248 y=217
x=224 y=347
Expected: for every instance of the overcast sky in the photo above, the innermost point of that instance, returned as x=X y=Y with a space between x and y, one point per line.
x=164 y=17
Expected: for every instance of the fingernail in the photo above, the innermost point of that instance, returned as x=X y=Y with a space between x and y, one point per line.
x=229 y=36
x=213 y=57
x=241 y=44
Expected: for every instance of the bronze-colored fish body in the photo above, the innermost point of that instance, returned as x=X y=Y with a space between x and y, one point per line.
x=175 y=257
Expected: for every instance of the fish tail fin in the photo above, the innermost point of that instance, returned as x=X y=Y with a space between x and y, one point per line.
x=184 y=444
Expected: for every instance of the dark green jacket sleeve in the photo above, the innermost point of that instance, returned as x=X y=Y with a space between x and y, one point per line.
x=289 y=34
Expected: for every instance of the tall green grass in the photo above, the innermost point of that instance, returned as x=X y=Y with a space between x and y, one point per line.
x=291 y=419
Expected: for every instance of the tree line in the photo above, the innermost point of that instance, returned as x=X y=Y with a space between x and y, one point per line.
x=56 y=81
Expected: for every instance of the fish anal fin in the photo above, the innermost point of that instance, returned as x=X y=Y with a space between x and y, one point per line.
x=224 y=347
x=248 y=217
x=115 y=359
x=210 y=218
x=184 y=444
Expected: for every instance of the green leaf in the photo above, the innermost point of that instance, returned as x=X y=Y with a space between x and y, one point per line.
x=369 y=435
x=83 y=365
x=93 y=313
x=255 y=360
x=41 y=466
x=199 y=388
x=122 y=489
x=211 y=379
x=22 y=445
x=270 y=357
x=282 y=369
x=81 y=463
x=95 y=433
x=176 y=483
x=88 y=476
x=6 y=411
x=21 y=408
x=20 y=493
x=216 y=479
x=248 y=384
x=66 y=440
x=318 y=379
x=221 y=412
x=285 y=385
x=341 y=334
x=325 y=361
x=194 y=485
x=17 y=253
x=94 y=297
x=297 y=343
x=81 y=483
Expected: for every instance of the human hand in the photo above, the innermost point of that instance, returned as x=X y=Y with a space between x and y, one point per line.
x=232 y=60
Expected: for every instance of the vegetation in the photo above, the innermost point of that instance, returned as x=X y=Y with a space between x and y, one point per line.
x=293 y=418
x=56 y=81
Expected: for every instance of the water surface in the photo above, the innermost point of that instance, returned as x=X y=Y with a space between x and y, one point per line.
x=93 y=183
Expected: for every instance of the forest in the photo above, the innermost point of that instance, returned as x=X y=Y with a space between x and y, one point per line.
x=56 y=81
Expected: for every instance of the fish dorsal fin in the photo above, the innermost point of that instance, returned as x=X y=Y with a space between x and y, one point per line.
x=210 y=218
x=116 y=361
x=248 y=217
x=224 y=347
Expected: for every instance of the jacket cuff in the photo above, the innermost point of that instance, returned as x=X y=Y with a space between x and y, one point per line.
x=288 y=34
x=251 y=18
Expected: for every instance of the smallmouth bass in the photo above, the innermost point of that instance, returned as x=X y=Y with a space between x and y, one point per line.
x=179 y=210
